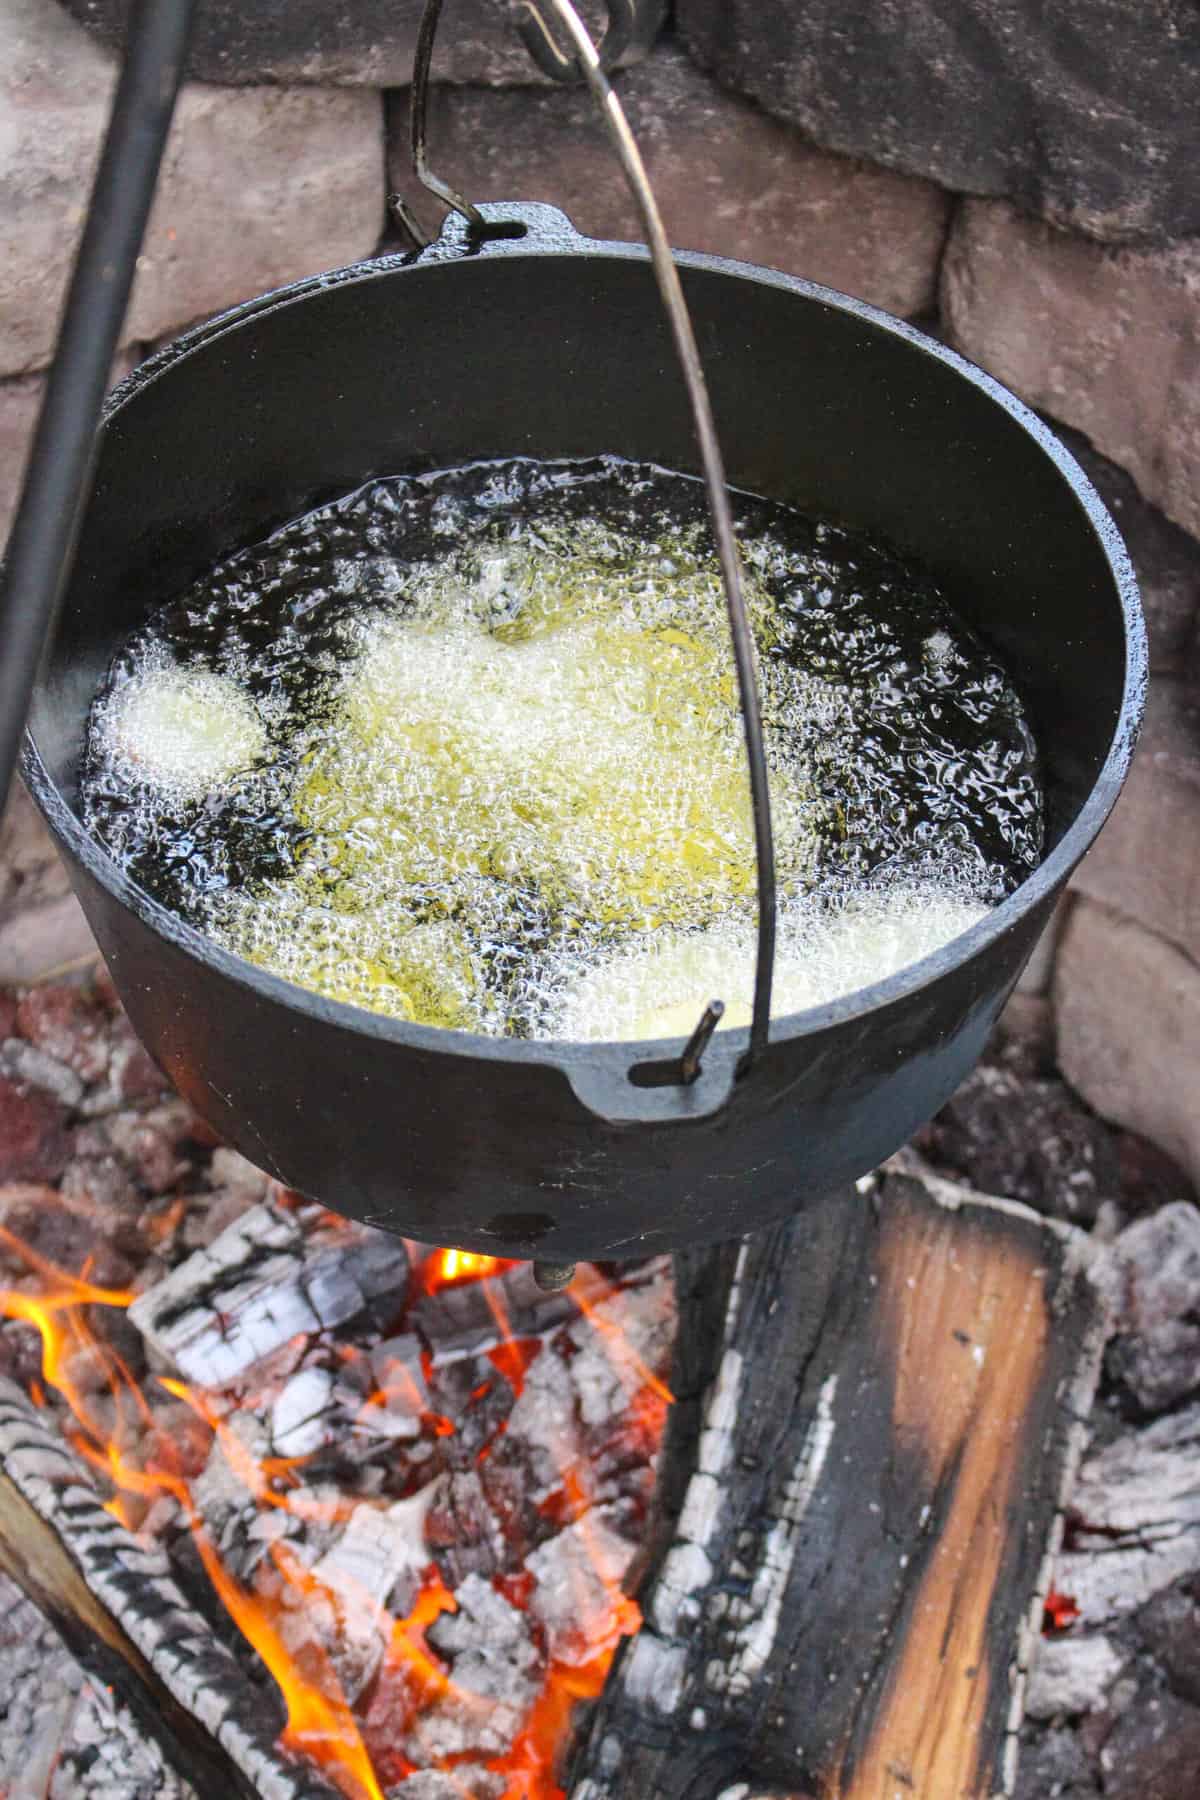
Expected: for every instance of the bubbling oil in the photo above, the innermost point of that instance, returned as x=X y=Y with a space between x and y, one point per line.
x=464 y=748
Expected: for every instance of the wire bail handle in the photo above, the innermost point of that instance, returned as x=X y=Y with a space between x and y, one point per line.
x=591 y=63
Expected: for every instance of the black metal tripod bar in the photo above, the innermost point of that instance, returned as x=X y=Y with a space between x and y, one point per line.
x=58 y=478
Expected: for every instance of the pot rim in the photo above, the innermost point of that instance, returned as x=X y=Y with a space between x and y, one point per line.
x=550 y=233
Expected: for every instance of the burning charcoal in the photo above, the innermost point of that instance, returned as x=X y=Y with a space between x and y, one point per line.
x=489 y=1643
x=624 y=1340
x=468 y=1782
x=103 y=1181
x=507 y=1487
x=149 y=1142
x=20 y=1352
x=395 y=1409
x=1156 y=1350
x=162 y=1515
x=263 y=1281
x=1056 y=1763
x=235 y=1186
x=131 y=1075
x=577 y=1575
x=495 y=1661
x=463 y=1529
x=379 y=1422
x=1153 y=1752
x=1071 y=1675
x=236 y=1175
x=372 y=1571
x=470 y=1316
x=1134 y=1524
x=133 y=1072
x=63 y=1234
x=222 y=1493
x=34 y=1145
x=304 y=1417
x=273 y=1526
x=543 y=1423
x=1170 y=1629
x=24 y=1062
x=399 y=1372
x=87 y=1368
x=68 y=1024
x=211 y=1213
x=477 y=1399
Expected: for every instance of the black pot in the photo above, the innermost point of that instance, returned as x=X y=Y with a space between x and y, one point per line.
x=546 y=344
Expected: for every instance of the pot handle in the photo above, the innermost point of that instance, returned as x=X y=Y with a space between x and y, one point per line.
x=504 y=225
x=590 y=62
x=650 y=1092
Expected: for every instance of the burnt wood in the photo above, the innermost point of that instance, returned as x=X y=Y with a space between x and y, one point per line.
x=853 y=1583
x=274 y=1273
x=118 y=1609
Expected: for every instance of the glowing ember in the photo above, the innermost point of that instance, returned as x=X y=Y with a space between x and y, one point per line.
x=418 y=1661
x=1058 y=1611
x=446 y=1267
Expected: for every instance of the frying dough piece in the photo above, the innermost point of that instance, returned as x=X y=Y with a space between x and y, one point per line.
x=659 y=988
x=185 y=731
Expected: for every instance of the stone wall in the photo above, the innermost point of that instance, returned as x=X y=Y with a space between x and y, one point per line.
x=1020 y=178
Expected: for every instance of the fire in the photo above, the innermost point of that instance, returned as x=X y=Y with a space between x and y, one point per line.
x=531 y=1765
x=320 y=1724
x=115 y=1431
x=446 y=1268
x=1058 y=1611
x=621 y=1350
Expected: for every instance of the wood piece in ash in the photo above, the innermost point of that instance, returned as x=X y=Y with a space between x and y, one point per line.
x=118 y=1609
x=269 y=1277
x=469 y=1317
x=848 y=1602
x=1135 y=1519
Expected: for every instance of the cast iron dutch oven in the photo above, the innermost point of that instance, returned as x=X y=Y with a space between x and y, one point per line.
x=547 y=344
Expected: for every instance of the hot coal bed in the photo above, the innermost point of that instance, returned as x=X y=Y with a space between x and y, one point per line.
x=349 y=1515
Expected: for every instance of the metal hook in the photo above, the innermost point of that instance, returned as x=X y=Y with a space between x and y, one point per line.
x=419 y=110
x=564 y=67
x=588 y=60
x=624 y=23
x=671 y=292
x=697 y=1044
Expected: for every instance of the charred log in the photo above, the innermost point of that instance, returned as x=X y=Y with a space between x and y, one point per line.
x=849 y=1595
x=270 y=1276
x=118 y=1609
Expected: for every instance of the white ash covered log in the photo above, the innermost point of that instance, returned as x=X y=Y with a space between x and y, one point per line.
x=847 y=1598
x=273 y=1274
x=120 y=1612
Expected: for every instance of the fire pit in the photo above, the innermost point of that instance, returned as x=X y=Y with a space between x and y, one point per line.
x=332 y=1513
x=416 y=1480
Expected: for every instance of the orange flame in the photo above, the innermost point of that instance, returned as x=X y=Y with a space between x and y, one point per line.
x=320 y=1724
x=122 y=1441
x=531 y=1764
x=620 y=1349
x=446 y=1268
